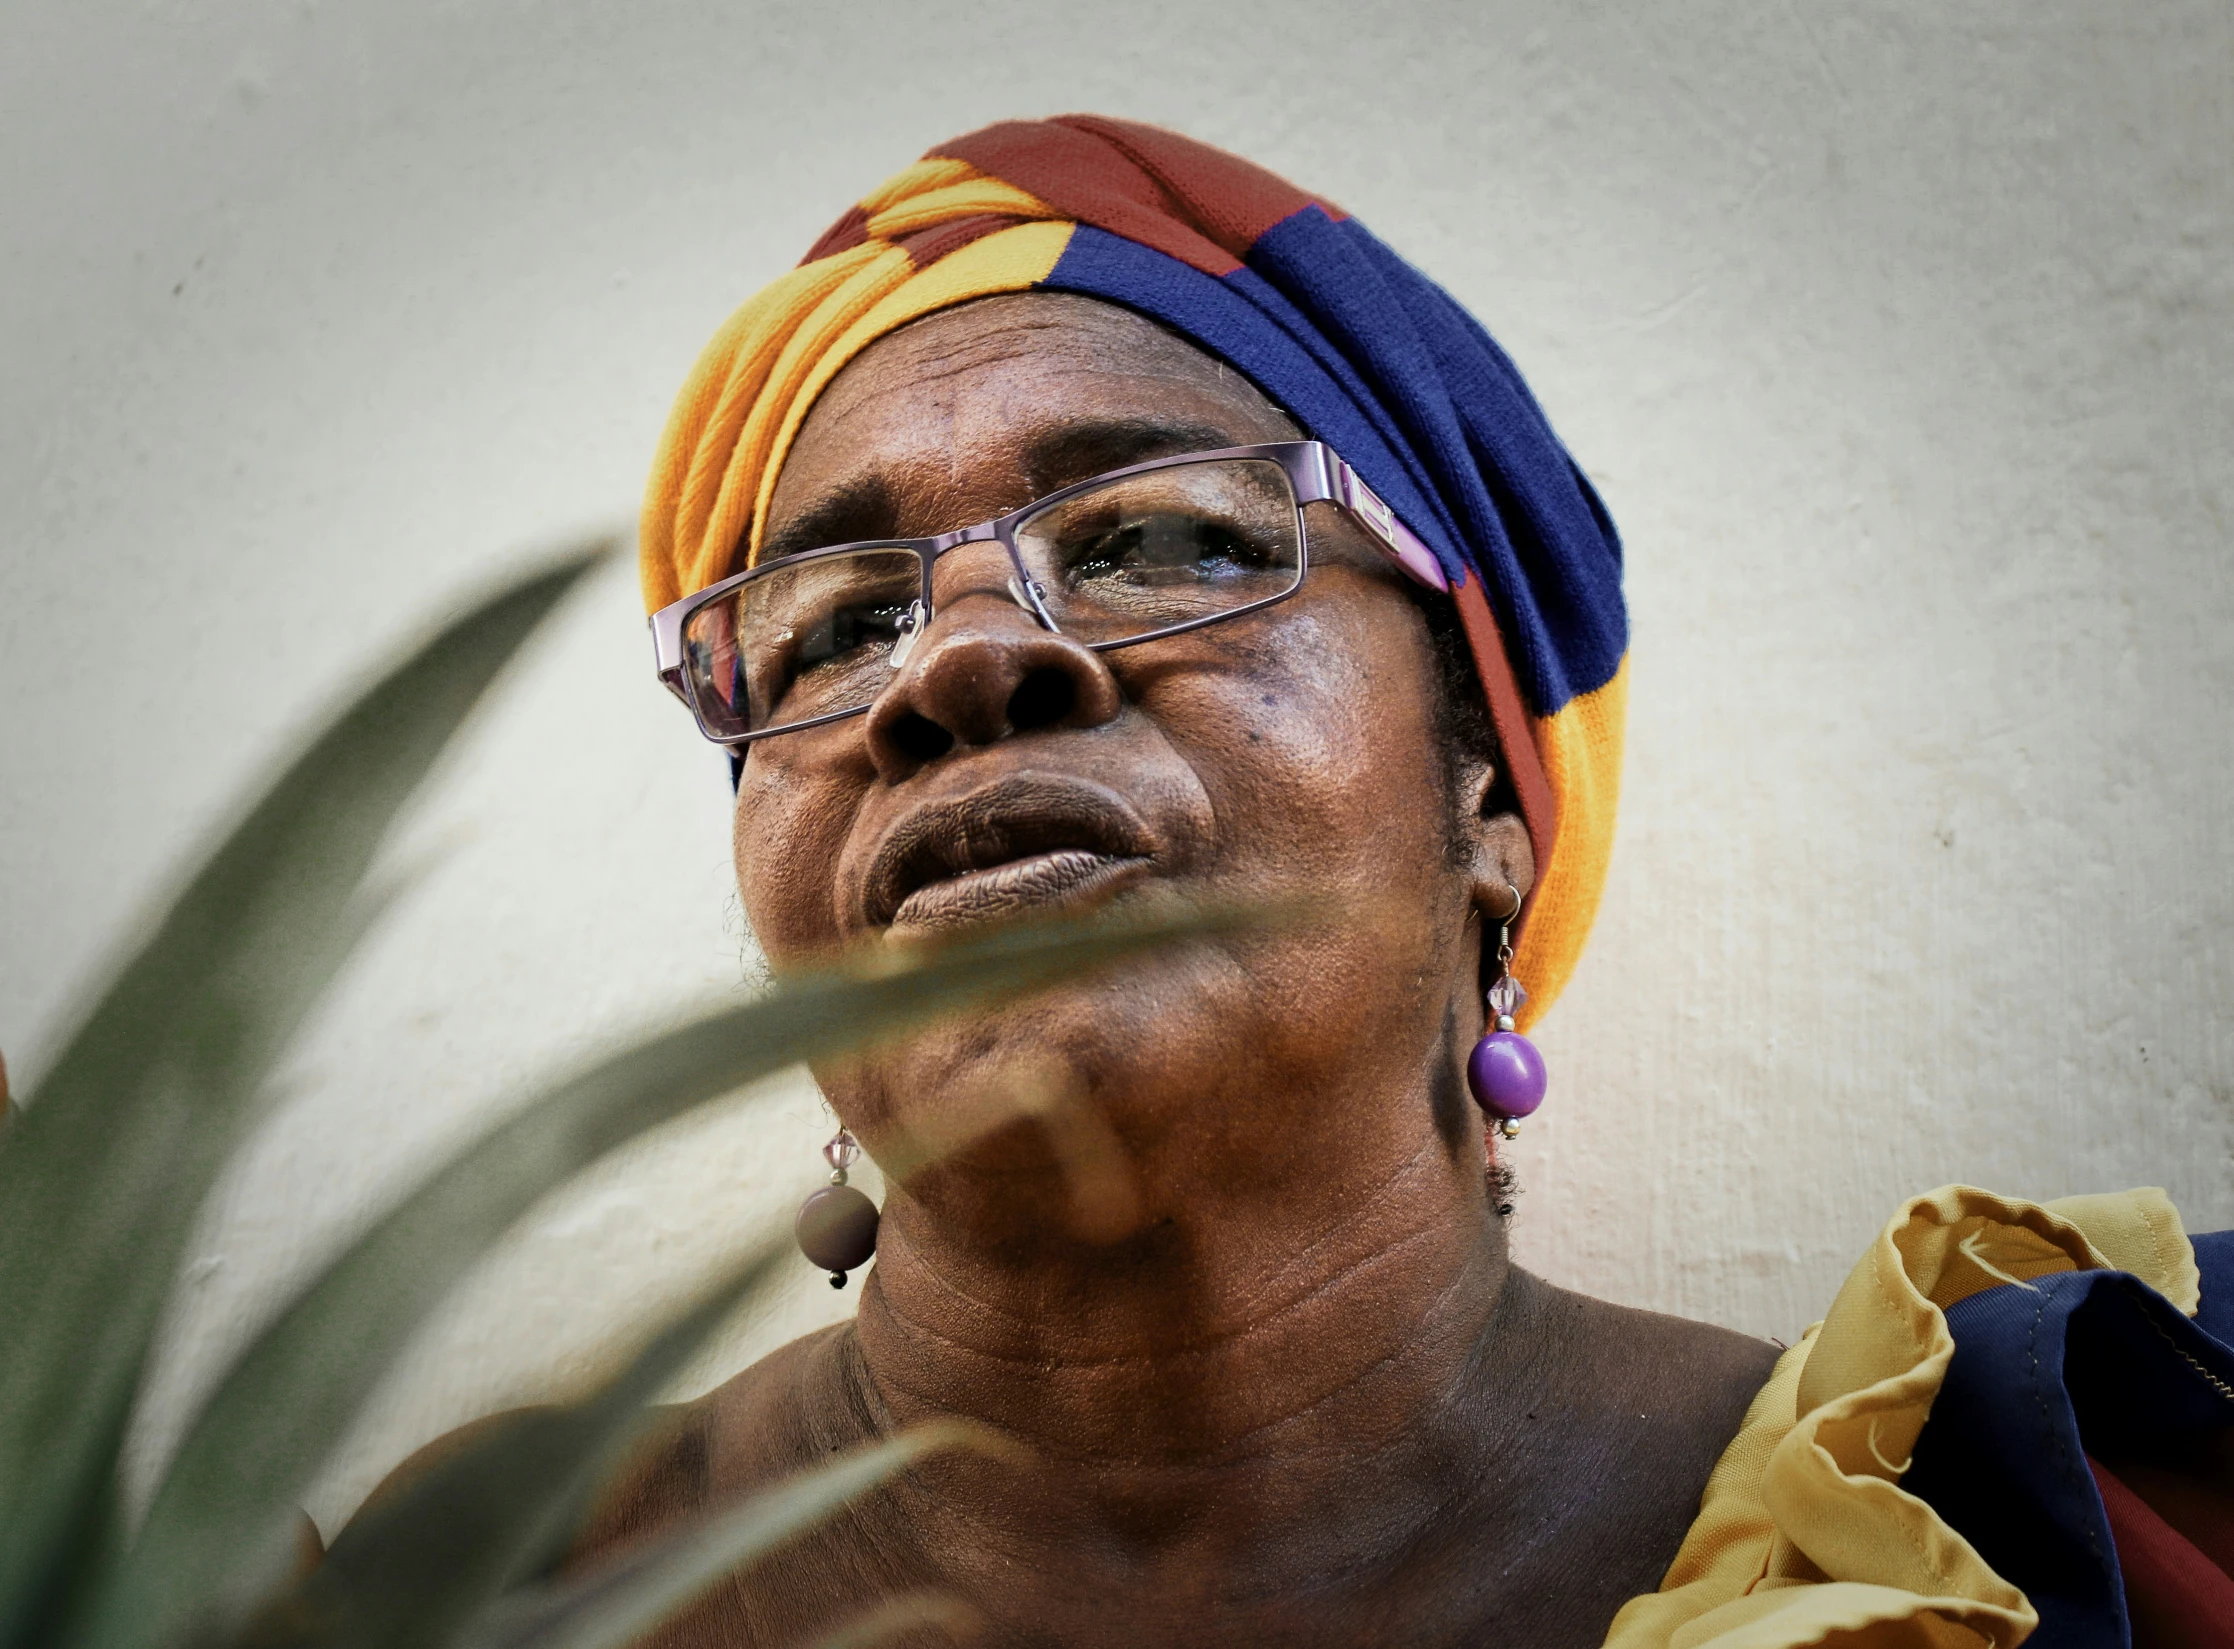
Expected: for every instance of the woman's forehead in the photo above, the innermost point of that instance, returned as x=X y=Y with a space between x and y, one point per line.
x=1046 y=333
x=1002 y=399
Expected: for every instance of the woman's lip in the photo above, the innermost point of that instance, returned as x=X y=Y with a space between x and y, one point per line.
x=1035 y=883
x=996 y=828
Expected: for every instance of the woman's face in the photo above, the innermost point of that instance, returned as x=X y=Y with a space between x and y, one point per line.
x=1006 y=771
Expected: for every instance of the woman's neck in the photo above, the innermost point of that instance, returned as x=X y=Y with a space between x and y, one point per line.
x=1367 y=1438
x=1245 y=1348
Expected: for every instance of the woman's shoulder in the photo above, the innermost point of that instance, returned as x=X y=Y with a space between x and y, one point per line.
x=1688 y=1382
x=775 y=1417
x=1630 y=1411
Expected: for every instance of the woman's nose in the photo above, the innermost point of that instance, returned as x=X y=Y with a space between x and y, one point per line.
x=983 y=671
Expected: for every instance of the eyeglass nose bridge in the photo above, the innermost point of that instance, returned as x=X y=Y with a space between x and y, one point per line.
x=1023 y=589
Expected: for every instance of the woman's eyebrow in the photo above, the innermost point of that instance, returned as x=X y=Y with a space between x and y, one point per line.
x=1086 y=448
x=854 y=509
x=861 y=506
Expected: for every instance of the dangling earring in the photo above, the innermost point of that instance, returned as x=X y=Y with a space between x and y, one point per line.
x=1505 y=1071
x=837 y=1225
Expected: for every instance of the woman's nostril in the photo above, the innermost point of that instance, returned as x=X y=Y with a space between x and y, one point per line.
x=920 y=738
x=950 y=703
x=1043 y=698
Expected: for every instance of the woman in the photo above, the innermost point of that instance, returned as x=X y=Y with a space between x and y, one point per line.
x=1282 y=1385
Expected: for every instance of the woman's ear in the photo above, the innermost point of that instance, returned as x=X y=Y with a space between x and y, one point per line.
x=1494 y=840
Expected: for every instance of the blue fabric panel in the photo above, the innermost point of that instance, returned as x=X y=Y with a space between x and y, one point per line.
x=2214 y=1257
x=1545 y=544
x=2045 y=1373
x=1377 y=361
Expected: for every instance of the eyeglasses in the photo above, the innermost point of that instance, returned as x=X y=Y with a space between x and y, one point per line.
x=1144 y=552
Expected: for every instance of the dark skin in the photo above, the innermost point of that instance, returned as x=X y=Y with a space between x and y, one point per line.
x=1292 y=1390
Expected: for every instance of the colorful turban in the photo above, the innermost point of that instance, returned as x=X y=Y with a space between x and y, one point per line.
x=1362 y=350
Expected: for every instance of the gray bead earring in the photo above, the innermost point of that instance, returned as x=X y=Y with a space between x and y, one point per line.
x=837 y=1225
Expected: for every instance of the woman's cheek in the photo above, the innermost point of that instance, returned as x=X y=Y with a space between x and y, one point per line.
x=790 y=827
x=1327 y=736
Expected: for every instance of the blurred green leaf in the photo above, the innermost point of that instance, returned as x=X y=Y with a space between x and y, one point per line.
x=219 y=1523
x=614 y=1606
x=416 y=1564
x=905 y=1614
x=108 y=1164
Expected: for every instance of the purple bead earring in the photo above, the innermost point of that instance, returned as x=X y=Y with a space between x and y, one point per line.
x=1505 y=1071
x=837 y=1225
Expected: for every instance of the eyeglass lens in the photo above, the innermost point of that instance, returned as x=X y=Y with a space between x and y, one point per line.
x=1118 y=560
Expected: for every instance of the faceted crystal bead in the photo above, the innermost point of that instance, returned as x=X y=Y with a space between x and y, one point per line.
x=843 y=1151
x=1506 y=996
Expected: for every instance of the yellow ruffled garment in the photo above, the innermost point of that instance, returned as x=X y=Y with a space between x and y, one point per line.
x=1804 y=1535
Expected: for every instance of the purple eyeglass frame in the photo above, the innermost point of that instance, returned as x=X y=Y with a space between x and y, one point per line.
x=1316 y=474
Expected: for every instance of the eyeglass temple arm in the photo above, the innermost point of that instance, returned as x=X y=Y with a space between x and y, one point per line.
x=666 y=626
x=1402 y=544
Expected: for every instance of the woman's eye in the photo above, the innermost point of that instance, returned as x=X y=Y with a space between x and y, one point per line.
x=1164 y=549
x=844 y=631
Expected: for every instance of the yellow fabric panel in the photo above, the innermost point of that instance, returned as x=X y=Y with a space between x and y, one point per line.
x=1581 y=750
x=956 y=200
x=1845 y=1613
x=1804 y=1535
x=932 y=172
x=2140 y=1232
x=708 y=415
x=727 y=470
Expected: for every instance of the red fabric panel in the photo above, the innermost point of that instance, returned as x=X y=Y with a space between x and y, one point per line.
x=2199 y=1509
x=1507 y=714
x=848 y=232
x=2175 y=1597
x=926 y=246
x=1236 y=200
x=1185 y=199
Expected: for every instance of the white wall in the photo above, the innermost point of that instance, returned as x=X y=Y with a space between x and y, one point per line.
x=1899 y=335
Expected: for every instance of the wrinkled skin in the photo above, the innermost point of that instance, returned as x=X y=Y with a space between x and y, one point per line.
x=1279 y=1380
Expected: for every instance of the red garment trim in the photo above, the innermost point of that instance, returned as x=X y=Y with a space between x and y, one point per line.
x=1538 y=808
x=2175 y=1597
x=926 y=246
x=1184 y=199
x=843 y=236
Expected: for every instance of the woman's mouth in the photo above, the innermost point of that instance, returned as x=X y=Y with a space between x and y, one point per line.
x=1038 y=882
x=1022 y=845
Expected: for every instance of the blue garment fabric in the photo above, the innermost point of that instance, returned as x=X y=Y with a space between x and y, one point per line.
x=2044 y=1374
